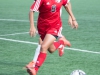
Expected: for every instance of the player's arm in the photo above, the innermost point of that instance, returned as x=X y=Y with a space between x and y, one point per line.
x=32 y=27
x=34 y=8
x=72 y=18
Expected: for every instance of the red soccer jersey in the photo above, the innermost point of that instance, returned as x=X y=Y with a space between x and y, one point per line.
x=49 y=14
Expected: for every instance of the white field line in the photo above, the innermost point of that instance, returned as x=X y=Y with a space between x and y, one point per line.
x=82 y=50
x=18 y=41
x=15 y=20
x=14 y=34
x=87 y=51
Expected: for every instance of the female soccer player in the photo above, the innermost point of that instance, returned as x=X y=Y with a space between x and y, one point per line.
x=49 y=25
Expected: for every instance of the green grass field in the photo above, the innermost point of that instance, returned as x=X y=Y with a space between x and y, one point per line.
x=17 y=47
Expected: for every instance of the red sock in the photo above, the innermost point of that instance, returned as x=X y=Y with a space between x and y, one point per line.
x=58 y=43
x=40 y=60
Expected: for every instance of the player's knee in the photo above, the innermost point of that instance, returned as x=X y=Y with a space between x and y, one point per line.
x=44 y=48
x=51 y=50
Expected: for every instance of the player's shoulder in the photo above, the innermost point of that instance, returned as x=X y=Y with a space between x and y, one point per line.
x=65 y=2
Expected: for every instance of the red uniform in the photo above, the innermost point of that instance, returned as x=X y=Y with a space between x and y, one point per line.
x=49 y=21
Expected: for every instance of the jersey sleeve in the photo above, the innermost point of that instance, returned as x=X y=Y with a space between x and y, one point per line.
x=65 y=2
x=35 y=6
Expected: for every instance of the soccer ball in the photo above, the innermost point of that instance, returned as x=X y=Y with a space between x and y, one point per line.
x=78 y=72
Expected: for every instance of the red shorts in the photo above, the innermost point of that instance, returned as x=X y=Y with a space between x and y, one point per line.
x=53 y=31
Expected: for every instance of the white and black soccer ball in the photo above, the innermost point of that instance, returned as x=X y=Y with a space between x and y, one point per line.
x=78 y=72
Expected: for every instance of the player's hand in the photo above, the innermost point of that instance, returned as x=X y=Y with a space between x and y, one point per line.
x=32 y=31
x=74 y=24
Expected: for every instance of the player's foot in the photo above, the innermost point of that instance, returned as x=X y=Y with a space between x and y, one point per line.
x=61 y=50
x=31 y=71
x=66 y=42
x=30 y=68
x=28 y=71
x=61 y=47
x=30 y=65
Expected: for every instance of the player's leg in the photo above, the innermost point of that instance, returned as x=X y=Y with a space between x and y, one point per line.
x=52 y=48
x=62 y=41
x=37 y=51
x=48 y=40
x=32 y=63
x=56 y=45
x=59 y=45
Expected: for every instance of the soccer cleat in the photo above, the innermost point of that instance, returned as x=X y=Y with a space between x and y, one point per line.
x=61 y=50
x=30 y=65
x=30 y=68
x=66 y=42
x=61 y=47
x=31 y=71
